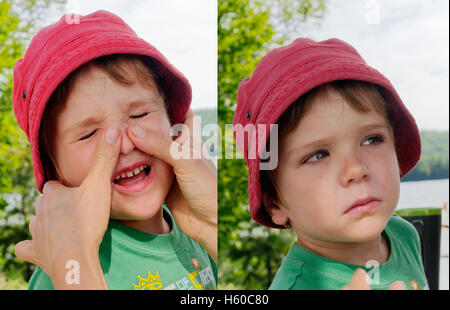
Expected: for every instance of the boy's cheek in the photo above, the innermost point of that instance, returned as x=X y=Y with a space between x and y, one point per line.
x=157 y=122
x=83 y=156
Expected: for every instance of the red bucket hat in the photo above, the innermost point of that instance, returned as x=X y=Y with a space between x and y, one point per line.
x=59 y=49
x=285 y=74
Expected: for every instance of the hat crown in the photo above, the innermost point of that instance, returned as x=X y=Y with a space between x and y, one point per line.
x=44 y=47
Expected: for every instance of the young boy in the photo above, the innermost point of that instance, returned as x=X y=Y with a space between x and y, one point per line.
x=344 y=141
x=77 y=79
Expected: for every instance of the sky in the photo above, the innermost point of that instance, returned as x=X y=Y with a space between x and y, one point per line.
x=406 y=40
x=185 y=32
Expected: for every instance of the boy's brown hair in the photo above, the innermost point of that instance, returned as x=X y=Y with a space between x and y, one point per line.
x=145 y=69
x=361 y=96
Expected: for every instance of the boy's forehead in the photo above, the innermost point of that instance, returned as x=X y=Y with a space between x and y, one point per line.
x=93 y=74
x=93 y=82
x=97 y=97
x=328 y=117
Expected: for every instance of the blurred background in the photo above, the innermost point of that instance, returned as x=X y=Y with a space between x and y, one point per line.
x=407 y=41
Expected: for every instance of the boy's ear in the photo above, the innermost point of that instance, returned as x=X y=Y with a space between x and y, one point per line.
x=276 y=213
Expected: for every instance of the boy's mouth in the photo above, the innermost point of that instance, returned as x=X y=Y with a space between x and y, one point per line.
x=134 y=178
x=363 y=205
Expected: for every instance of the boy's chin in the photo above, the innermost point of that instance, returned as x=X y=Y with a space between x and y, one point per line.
x=365 y=230
x=136 y=209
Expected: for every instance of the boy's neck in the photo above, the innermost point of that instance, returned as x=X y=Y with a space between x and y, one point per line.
x=356 y=253
x=155 y=225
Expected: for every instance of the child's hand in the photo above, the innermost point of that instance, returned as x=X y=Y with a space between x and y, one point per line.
x=359 y=282
x=193 y=196
x=70 y=221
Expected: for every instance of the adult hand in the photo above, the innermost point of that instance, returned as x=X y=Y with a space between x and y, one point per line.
x=70 y=221
x=359 y=282
x=193 y=196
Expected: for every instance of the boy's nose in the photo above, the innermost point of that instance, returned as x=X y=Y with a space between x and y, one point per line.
x=354 y=171
x=127 y=143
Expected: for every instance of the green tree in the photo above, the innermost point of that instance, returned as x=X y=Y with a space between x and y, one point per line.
x=19 y=20
x=249 y=254
x=434 y=160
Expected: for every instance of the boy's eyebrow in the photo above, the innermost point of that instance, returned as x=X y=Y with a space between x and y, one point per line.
x=324 y=141
x=93 y=120
x=374 y=126
x=139 y=102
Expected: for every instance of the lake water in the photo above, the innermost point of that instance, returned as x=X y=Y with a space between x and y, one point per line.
x=416 y=194
x=432 y=193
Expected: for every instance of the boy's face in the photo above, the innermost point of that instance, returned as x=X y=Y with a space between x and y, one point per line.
x=336 y=157
x=106 y=102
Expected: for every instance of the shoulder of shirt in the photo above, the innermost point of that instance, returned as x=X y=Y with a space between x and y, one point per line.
x=40 y=280
x=188 y=241
x=403 y=231
x=289 y=276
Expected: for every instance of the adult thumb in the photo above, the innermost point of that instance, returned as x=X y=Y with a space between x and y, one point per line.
x=24 y=251
x=105 y=158
x=154 y=143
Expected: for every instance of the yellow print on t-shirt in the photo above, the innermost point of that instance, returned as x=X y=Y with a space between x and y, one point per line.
x=195 y=280
x=152 y=282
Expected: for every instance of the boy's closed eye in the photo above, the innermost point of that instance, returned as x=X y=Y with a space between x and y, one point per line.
x=321 y=154
x=85 y=137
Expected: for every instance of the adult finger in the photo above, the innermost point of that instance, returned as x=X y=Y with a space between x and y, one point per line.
x=105 y=158
x=189 y=118
x=50 y=186
x=190 y=124
x=31 y=225
x=155 y=143
x=38 y=205
x=24 y=250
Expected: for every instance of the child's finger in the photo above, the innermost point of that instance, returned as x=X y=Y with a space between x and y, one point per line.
x=358 y=281
x=398 y=285
x=105 y=158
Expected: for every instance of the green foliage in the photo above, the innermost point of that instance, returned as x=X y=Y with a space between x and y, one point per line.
x=19 y=20
x=433 y=163
x=8 y=284
x=249 y=254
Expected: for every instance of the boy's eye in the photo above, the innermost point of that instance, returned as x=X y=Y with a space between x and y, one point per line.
x=373 y=140
x=139 y=115
x=316 y=156
x=88 y=135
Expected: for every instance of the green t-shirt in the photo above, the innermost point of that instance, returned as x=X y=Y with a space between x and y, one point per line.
x=304 y=270
x=133 y=259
